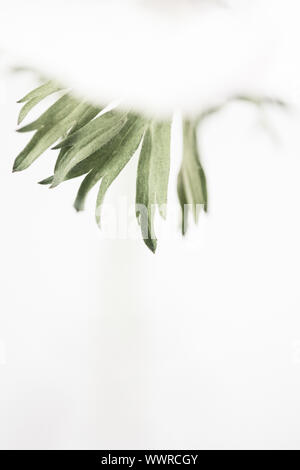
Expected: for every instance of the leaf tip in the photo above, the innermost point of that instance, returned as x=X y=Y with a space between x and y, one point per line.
x=16 y=166
x=151 y=243
x=46 y=181
x=78 y=206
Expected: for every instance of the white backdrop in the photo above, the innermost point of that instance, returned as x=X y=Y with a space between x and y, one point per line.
x=103 y=345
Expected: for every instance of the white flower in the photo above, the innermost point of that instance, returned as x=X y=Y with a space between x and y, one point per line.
x=158 y=56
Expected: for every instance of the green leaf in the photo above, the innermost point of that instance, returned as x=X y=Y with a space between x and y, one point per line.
x=46 y=181
x=152 y=178
x=55 y=113
x=35 y=97
x=118 y=156
x=143 y=211
x=91 y=129
x=90 y=113
x=52 y=125
x=191 y=184
x=79 y=169
x=47 y=88
x=126 y=141
x=95 y=164
x=86 y=117
x=87 y=140
x=99 y=147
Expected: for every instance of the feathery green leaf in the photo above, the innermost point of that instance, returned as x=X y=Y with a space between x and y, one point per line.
x=95 y=164
x=52 y=126
x=191 y=184
x=121 y=152
x=152 y=178
x=35 y=97
x=87 y=140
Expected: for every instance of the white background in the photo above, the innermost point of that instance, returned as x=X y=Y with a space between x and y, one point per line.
x=103 y=345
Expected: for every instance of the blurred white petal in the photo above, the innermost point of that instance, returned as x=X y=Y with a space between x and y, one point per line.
x=157 y=56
